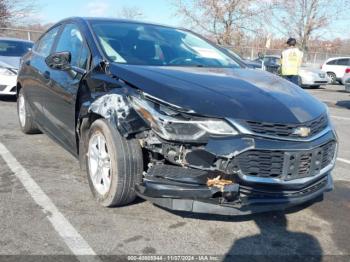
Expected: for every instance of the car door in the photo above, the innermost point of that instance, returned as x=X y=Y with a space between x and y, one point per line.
x=329 y=66
x=36 y=77
x=60 y=107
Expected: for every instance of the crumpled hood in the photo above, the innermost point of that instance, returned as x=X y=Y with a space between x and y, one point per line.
x=11 y=61
x=225 y=93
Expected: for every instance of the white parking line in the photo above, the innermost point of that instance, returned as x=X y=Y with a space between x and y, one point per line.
x=341 y=117
x=63 y=227
x=343 y=160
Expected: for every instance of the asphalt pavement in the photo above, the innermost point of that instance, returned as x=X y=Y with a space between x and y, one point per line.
x=46 y=208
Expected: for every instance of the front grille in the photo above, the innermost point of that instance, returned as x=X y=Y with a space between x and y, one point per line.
x=304 y=164
x=261 y=163
x=286 y=165
x=248 y=193
x=328 y=154
x=2 y=87
x=287 y=130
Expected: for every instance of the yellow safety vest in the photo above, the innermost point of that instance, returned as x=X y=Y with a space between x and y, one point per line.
x=291 y=61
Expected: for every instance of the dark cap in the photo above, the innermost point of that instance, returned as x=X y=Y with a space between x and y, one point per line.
x=291 y=42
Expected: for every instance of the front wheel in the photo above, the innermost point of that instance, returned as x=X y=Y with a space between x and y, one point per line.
x=114 y=165
x=333 y=78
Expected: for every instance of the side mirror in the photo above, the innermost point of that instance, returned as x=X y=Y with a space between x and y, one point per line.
x=59 y=61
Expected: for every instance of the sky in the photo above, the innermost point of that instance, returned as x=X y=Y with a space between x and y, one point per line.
x=158 y=11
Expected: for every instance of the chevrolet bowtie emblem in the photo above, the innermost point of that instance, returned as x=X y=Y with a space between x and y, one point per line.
x=302 y=131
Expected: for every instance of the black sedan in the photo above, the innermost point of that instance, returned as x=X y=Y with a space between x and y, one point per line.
x=161 y=113
x=272 y=63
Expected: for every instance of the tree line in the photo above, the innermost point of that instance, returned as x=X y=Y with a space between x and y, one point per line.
x=238 y=23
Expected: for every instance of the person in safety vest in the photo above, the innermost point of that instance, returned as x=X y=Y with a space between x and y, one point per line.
x=291 y=60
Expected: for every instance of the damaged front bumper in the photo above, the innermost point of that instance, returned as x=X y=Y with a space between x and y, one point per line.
x=229 y=169
x=255 y=175
x=250 y=200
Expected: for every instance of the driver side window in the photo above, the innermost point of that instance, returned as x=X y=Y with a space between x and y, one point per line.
x=43 y=47
x=71 y=40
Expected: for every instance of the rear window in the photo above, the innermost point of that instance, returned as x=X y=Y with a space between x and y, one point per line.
x=14 y=48
x=343 y=62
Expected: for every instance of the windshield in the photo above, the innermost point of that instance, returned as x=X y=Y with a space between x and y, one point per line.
x=14 y=48
x=237 y=56
x=143 y=44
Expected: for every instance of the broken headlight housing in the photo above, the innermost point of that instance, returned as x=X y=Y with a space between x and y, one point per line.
x=174 y=126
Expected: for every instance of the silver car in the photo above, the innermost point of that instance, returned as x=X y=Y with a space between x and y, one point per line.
x=312 y=77
x=345 y=77
x=11 y=51
x=346 y=81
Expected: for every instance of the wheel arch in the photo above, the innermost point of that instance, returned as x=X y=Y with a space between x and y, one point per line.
x=18 y=88
x=115 y=108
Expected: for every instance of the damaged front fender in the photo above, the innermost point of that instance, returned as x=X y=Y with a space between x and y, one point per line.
x=116 y=108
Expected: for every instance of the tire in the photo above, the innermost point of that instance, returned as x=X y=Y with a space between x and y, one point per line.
x=125 y=165
x=333 y=78
x=25 y=117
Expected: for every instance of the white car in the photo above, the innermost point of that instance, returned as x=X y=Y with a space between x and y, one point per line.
x=311 y=77
x=11 y=51
x=336 y=67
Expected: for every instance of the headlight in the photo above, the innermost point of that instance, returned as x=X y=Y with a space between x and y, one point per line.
x=7 y=71
x=308 y=74
x=173 y=128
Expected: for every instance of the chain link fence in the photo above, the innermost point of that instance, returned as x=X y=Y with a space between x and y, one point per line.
x=24 y=34
x=312 y=59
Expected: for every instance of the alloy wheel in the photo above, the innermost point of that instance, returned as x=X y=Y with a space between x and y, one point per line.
x=22 y=110
x=99 y=163
x=332 y=77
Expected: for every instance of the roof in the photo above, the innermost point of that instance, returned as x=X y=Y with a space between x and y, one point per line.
x=338 y=57
x=15 y=39
x=91 y=19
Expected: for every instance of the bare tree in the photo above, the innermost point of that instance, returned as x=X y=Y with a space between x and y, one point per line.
x=16 y=11
x=4 y=13
x=306 y=19
x=131 y=13
x=226 y=20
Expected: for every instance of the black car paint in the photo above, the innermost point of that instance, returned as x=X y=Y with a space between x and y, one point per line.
x=61 y=101
x=241 y=93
